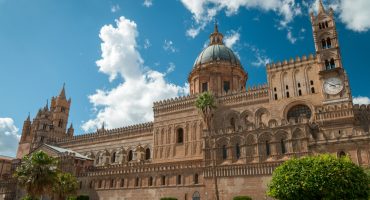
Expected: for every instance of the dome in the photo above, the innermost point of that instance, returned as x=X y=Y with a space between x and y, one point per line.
x=215 y=53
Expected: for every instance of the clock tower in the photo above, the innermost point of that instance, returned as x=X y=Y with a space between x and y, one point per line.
x=332 y=74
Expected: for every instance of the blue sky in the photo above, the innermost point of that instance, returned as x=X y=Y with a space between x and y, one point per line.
x=116 y=57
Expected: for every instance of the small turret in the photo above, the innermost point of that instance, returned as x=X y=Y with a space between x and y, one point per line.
x=71 y=130
x=216 y=37
x=26 y=130
x=321 y=8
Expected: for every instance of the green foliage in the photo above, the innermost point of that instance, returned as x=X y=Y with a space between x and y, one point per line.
x=204 y=101
x=322 y=177
x=37 y=173
x=168 y=198
x=66 y=184
x=83 y=197
x=29 y=198
x=242 y=198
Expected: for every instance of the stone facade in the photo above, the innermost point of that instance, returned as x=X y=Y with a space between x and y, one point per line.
x=305 y=108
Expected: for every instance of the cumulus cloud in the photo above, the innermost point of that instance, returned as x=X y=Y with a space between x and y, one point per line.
x=261 y=59
x=115 y=8
x=355 y=14
x=132 y=100
x=147 y=44
x=361 y=100
x=231 y=38
x=204 y=11
x=148 y=3
x=169 y=46
x=9 y=137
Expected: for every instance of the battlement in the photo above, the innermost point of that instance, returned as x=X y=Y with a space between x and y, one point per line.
x=280 y=65
x=123 y=131
x=188 y=102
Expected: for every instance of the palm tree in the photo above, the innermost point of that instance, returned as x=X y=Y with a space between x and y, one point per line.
x=37 y=174
x=206 y=104
x=65 y=185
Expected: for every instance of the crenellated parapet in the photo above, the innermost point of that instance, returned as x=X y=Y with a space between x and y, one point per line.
x=298 y=61
x=132 y=130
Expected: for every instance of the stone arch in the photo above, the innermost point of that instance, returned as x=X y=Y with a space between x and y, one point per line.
x=264 y=145
x=291 y=106
x=237 y=144
x=246 y=117
x=232 y=120
x=281 y=144
x=273 y=123
x=250 y=147
x=262 y=116
x=221 y=144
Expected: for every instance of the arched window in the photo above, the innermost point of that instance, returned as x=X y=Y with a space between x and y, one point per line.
x=137 y=182
x=328 y=43
x=299 y=92
x=147 y=154
x=341 y=154
x=180 y=135
x=282 y=146
x=276 y=97
x=332 y=63
x=196 y=179
x=60 y=124
x=232 y=123
x=267 y=144
x=237 y=151
x=224 y=152
x=319 y=26
x=287 y=94
x=299 y=111
x=196 y=196
x=150 y=182
x=122 y=184
x=178 y=180
x=114 y=157
x=163 y=180
x=326 y=24
x=313 y=90
x=130 y=155
x=327 y=65
x=323 y=44
x=111 y=183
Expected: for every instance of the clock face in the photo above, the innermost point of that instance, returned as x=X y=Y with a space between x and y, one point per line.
x=333 y=85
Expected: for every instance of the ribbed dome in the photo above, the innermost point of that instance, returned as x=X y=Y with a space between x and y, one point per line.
x=217 y=52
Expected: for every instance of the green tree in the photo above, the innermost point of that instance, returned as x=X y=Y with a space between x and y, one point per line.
x=37 y=174
x=206 y=104
x=66 y=185
x=319 y=177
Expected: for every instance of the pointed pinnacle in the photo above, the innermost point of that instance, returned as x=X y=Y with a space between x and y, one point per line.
x=321 y=7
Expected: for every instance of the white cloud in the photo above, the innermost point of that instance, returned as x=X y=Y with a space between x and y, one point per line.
x=9 y=137
x=361 y=100
x=355 y=14
x=290 y=37
x=261 y=58
x=204 y=11
x=131 y=101
x=115 y=8
x=232 y=38
x=171 y=67
x=148 y=3
x=147 y=44
x=168 y=46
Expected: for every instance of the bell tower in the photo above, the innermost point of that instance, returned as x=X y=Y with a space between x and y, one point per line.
x=332 y=74
x=60 y=107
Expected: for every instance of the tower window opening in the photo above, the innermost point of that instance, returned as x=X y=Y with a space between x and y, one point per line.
x=267 y=148
x=332 y=63
x=147 y=154
x=224 y=152
x=299 y=85
x=178 y=179
x=299 y=92
x=114 y=157
x=287 y=87
x=226 y=86
x=323 y=44
x=274 y=89
x=319 y=26
x=63 y=109
x=130 y=155
x=328 y=43
x=204 y=87
x=276 y=97
x=196 y=179
x=327 y=65
x=311 y=82
x=150 y=182
x=60 y=124
x=163 y=180
x=287 y=94
x=313 y=90
x=326 y=24
x=180 y=136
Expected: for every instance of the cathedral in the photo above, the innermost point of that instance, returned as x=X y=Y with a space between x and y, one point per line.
x=305 y=108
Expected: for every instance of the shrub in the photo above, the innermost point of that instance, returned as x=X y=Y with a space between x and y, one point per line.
x=29 y=198
x=168 y=198
x=319 y=177
x=83 y=197
x=242 y=198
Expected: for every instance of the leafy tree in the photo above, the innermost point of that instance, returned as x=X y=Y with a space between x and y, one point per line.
x=37 y=174
x=319 y=177
x=66 y=184
x=206 y=103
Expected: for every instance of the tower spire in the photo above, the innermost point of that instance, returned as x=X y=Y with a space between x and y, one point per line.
x=216 y=37
x=62 y=94
x=28 y=117
x=216 y=27
x=321 y=7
